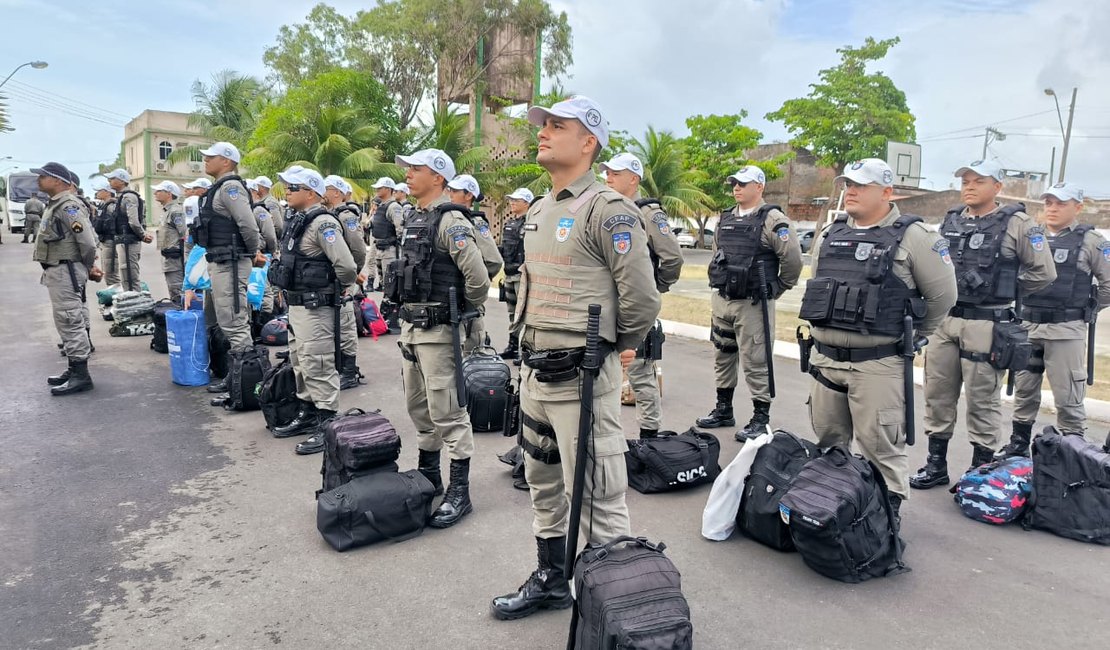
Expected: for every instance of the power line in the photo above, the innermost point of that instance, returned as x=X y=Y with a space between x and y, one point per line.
x=75 y=110
x=63 y=110
x=28 y=88
x=983 y=126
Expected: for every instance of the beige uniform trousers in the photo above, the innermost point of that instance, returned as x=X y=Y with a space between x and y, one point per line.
x=946 y=372
x=128 y=259
x=738 y=337
x=604 y=511
x=1065 y=364
x=109 y=263
x=428 y=370
x=312 y=353
x=69 y=311
x=236 y=326
x=641 y=376
x=870 y=411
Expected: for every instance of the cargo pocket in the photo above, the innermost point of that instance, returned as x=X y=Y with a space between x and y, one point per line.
x=893 y=424
x=609 y=476
x=1076 y=387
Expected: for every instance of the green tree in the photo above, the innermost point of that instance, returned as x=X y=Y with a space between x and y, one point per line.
x=305 y=50
x=850 y=113
x=665 y=177
x=227 y=109
x=340 y=122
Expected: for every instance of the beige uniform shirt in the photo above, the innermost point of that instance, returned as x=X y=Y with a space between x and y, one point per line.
x=267 y=232
x=324 y=236
x=663 y=243
x=277 y=214
x=352 y=232
x=490 y=254
x=234 y=201
x=172 y=231
x=66 y=232
x=921 y=262
x=1094 y=258
x=455 y=237
x=779 y=236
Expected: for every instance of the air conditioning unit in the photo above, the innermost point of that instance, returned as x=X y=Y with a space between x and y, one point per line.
x=160 y=166
x=196 y=167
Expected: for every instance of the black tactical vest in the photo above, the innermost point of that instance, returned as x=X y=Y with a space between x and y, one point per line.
x=734 y=269
x=104 y=223
x=512 y=244
x=123 y=232
x=383 y=230
x=293 y=270
x=1069 y=297
x=218 y=233
x=425 y=273
x=983 y=276
x=855 y=288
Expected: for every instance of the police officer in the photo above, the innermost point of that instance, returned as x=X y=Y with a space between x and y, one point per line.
x=401 y=195
x=267 y=233
x=386 y=225
x=1057 y=319
x=190 y=205
x=104 y=224
x=588 y=247
x=32 y=212
x=438 y=252
x=337 y=198
x=871 y=268
x=277 y=213
x=998 y=252
x=67 y=252
x=314 y=266
x=171 y=236
x=512 y=252
x=623 y=174
x=751 y=235
x=228 y=230
x=130 y=228
x=464 y=190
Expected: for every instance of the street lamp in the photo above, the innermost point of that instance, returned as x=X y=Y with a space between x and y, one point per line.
x=1064 y=132
x=37 y=65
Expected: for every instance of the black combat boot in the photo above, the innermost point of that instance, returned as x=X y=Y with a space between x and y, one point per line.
x=302 y=423
x=58 y=380
x=546 y=588
x=721 y=415
x=220 y=386
x=757 y=426
x=315 y=444
x=935 y=471
x=1019 y=442
x=980 y=456
x=79 y=380
x=513 y=349
x=428 y=465
x=349 y=375
x=456 y=502
x=649 y=433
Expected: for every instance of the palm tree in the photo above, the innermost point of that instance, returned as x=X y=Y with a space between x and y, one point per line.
x=227 y=110
x=666 y=179
x=336 y=142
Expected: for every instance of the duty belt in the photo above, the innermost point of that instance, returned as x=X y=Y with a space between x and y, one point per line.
x=310 y=299
x=1044 y=316
x=996 y=315
x=553 y=366
x=856 y=355
x=427 y=316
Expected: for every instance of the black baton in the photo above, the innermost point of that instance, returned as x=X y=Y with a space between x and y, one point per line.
x=768 y=335
x=908 y=352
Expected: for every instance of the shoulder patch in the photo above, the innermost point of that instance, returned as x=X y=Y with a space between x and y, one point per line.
x=483 y=230
x=659 y=217
x=459 y=240
x=1105 y=248
x=941 y=249
x=622 y=242
x=76 y=226
x=72 y=209
x=1036 y=238
x=352 y=223
x=232 y=192
x=262 y=214
x=783 y=231
x=328 y=231
x=616 y=220
x=458 y=229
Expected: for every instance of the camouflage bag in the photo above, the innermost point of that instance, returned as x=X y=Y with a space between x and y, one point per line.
x=996 y=493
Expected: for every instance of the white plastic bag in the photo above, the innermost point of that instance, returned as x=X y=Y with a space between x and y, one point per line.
x=719 y=519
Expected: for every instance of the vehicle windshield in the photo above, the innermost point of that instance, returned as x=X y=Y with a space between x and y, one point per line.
x=21 y=187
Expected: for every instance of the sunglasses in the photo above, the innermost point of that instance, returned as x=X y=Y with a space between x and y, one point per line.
x=739 y=184
x=294 y=188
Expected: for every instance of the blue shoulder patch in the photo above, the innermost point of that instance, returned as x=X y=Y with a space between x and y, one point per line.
x=460 y=240
x=617 y=219
x=72 y=210
x=483 y=230
x=329 y=234
x=232 y=192
x=783 y=232
x=622 y=242
x=352 y=223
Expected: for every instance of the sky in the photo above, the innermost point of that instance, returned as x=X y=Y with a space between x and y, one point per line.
x=963 y=66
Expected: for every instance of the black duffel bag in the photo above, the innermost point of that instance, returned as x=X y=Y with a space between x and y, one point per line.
x=277 y=394
x=373 y=508
x=246 y=369
x=774 y=469
x=1071 y=487
x=486 y=377
x=159 y=342
x=673 y=461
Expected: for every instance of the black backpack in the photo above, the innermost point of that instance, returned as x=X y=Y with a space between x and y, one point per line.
x=373 y=508
x=218 y=348
x=629 y=595
x=277 y=394
x=486 y=377
x=673 y=461
x=776 y=465
x=358 y=443
x=159 y=343
x=247 y=368
x=840 y=518
x=1071 y=487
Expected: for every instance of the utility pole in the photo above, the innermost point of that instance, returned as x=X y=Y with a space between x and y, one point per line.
x=1052 y=167
x=1067 y=136
x=998 y=135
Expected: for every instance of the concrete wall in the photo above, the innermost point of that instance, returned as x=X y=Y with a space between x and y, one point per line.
x=802 y=179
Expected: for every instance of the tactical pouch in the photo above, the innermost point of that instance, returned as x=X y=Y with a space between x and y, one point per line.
x=718 y=271
x=554 y=366
x=280 y=276
x=425 y=316
x=652 y=347
x=512 y=425
x=392 y=284
x=173 y=253
x=819 y=299
x=502 y=293
x=312 y=274
x=1010 y=347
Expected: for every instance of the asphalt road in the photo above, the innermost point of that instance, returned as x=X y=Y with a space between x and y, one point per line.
x=136 y=516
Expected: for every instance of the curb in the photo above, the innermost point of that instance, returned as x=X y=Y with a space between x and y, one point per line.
x=1097 y=410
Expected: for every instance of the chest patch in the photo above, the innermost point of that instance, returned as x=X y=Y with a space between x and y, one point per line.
x=562 y=230
x=1060 y=256
x=863 y=251
x=622 y=242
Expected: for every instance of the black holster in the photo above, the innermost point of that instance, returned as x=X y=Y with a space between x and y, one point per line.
x=652 y=347
x=512 y=423
x=805 y=347
x=554 y=366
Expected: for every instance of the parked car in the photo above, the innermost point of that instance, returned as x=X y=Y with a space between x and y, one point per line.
x=805 y=238
x=685 y=240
